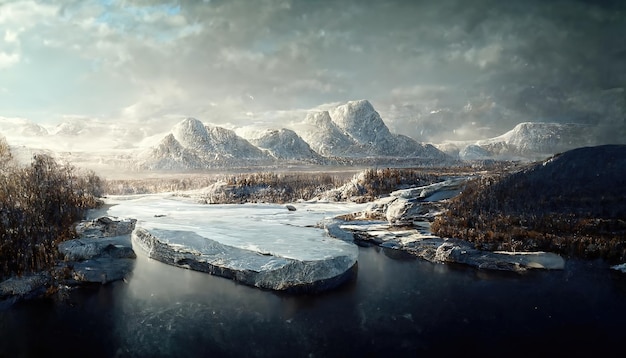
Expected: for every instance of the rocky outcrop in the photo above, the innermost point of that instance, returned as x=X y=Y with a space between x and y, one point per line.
x=401 y=221
x=497 y=260
x=403 y=207
x=420 y=242
x=103 y=253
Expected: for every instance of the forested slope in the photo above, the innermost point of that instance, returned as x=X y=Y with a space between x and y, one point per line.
x=572 y=203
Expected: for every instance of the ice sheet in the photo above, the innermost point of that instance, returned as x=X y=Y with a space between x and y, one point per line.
x=264 y=228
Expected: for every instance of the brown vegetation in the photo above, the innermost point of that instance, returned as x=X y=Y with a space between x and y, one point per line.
x=39 y=205
x=289 y=187
x=280 y=186
x=544 y=207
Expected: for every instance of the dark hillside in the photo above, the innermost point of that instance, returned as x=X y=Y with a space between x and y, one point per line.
x=573 y=203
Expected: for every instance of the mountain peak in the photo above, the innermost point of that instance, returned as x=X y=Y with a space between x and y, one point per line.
x=321 y=118
x=191 y=133
x=360 y=120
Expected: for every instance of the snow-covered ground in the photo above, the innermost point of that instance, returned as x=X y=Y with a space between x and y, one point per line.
x=263 y=245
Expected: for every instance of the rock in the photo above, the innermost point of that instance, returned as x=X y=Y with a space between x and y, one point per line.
x=290 y=207
x=105 y=227
x=102 y=270
x=433 y=192
x=333 y=229
x=378 y=208
x=24 y=287
x=403 y=207
x=419 y=241
x=498 y=260
x=259 y=269
x=103 y=253
x=84 y=249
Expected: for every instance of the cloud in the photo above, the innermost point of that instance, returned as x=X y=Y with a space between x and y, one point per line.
x=141 y=60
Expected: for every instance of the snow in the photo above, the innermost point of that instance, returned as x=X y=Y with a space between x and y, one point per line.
x=261 y=228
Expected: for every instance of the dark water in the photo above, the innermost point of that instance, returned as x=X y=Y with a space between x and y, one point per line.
x=397 y=306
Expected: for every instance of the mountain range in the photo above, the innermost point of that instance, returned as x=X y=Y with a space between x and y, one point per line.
x=353 y=130
x=350 y=133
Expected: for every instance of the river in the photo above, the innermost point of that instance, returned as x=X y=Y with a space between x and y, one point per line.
x=396 y=306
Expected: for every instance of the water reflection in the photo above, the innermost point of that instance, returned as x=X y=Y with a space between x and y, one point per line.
x=397 y=306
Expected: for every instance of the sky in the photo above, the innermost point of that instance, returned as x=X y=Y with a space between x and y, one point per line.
x=434 y=70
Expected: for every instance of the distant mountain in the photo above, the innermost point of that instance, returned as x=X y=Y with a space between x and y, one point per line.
x=210 y=140
x=285 y=144
x=355 y=129
x=71 y=128
x=22 y=127
x=193 y=145
x=169 y=154
x=528 y=140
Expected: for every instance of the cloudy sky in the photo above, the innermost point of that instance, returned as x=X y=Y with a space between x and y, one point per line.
x=433 y=69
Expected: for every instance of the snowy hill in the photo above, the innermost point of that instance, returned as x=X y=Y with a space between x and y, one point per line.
x=527 y=141
x=286 y=144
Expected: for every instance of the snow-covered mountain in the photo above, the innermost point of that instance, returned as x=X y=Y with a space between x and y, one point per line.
x=193 y=145
x=543 y=138
x=352 y=130
x=169 y=154
x=527 y=141
x=355 y=129
x=194 y=135
x=350 y=133
x=285 y=144
x=360 y=121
